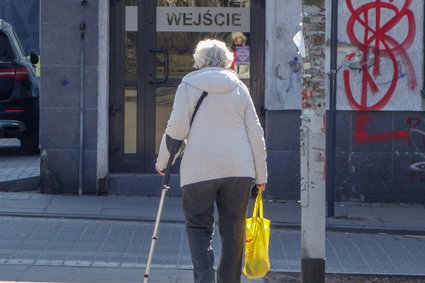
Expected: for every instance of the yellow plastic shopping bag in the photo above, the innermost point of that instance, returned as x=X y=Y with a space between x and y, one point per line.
x=257 y=242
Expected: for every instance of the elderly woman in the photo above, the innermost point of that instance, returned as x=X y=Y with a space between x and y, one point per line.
x=224 y=155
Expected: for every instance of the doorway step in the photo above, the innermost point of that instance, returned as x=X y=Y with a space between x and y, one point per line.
x=142 y=184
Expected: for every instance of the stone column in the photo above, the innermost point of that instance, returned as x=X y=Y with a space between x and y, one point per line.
x=60 y=81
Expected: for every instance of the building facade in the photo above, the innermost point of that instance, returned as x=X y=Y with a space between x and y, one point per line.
x=110 y=69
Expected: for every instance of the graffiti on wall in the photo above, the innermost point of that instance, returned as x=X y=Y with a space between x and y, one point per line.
x=379 y=73
x=375 y=42
x=416 y=142
x=383 y=32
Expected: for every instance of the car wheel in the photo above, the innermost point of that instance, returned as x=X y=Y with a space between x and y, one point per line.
x=29 y=144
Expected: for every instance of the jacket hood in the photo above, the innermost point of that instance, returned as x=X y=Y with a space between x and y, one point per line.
x=214 y=80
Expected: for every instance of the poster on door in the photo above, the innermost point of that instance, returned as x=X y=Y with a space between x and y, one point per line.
x=242 y=55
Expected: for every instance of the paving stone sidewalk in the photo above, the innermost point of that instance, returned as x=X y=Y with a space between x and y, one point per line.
x=90 y=238
x=69 y=245
x=349 y=217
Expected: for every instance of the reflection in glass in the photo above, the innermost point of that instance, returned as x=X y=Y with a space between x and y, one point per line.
x=241 y=54
x=131 y=2
x=130 y=40
x=130 y=61
x=181 y=45
x=130 y=120
x=164 y=104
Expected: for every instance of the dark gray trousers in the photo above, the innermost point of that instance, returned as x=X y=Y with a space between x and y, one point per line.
x=231 y=195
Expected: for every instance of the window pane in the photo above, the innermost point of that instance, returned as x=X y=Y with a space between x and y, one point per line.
x=130 y=120
x=130 y=60
x=181 y=45
x=6 y=52
x=130 y=54
x=181 y=24
x=164 y=104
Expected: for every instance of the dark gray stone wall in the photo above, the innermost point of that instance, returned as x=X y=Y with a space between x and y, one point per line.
x=60 y=90
x=283 y=154
x=388 y=170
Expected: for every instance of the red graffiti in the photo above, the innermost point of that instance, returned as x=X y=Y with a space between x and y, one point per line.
x=373 y=37
x=362 y=136
x=413 y=124
x=376 y=39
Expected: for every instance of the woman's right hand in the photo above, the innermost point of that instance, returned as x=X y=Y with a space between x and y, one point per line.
x=261 y=187
x=160 y=172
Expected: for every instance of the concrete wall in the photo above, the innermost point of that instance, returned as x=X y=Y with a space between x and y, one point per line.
x=390 y=170
x=283 y=63
x=282 y=91
x=380 y=138
x=60 y=91
x=283 y=143
x=381 y=145
x=392 y=76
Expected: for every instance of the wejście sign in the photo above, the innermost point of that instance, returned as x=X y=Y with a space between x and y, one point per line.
x=194 y=19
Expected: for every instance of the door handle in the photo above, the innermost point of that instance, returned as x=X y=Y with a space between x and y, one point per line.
x=154 y=79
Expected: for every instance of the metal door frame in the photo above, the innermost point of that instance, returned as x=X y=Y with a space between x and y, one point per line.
x=143 y=160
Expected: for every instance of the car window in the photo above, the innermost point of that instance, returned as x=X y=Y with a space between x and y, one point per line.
x=6 y=52
x=18 y=44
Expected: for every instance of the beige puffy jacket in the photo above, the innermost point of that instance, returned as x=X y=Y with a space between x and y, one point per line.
x=226 y=138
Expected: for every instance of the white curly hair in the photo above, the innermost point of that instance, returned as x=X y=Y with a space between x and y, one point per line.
x=212 y=53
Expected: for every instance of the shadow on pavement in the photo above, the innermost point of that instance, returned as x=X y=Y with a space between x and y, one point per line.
x=11 y=151
x=10 y=147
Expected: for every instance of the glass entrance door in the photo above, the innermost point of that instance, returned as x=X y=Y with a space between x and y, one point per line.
x=152 y=43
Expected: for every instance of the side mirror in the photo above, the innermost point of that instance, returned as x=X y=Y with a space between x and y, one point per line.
x=33 y=57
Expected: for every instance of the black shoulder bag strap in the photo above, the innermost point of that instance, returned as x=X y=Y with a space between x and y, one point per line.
x=204 y=94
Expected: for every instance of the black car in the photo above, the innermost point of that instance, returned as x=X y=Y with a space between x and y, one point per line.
x=19 y=91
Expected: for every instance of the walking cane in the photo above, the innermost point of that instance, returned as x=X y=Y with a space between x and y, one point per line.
x=174 y=149
x=165 y=188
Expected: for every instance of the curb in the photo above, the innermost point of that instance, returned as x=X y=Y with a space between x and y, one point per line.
x=413 y=275
x=276 y=225
x=356 y=229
